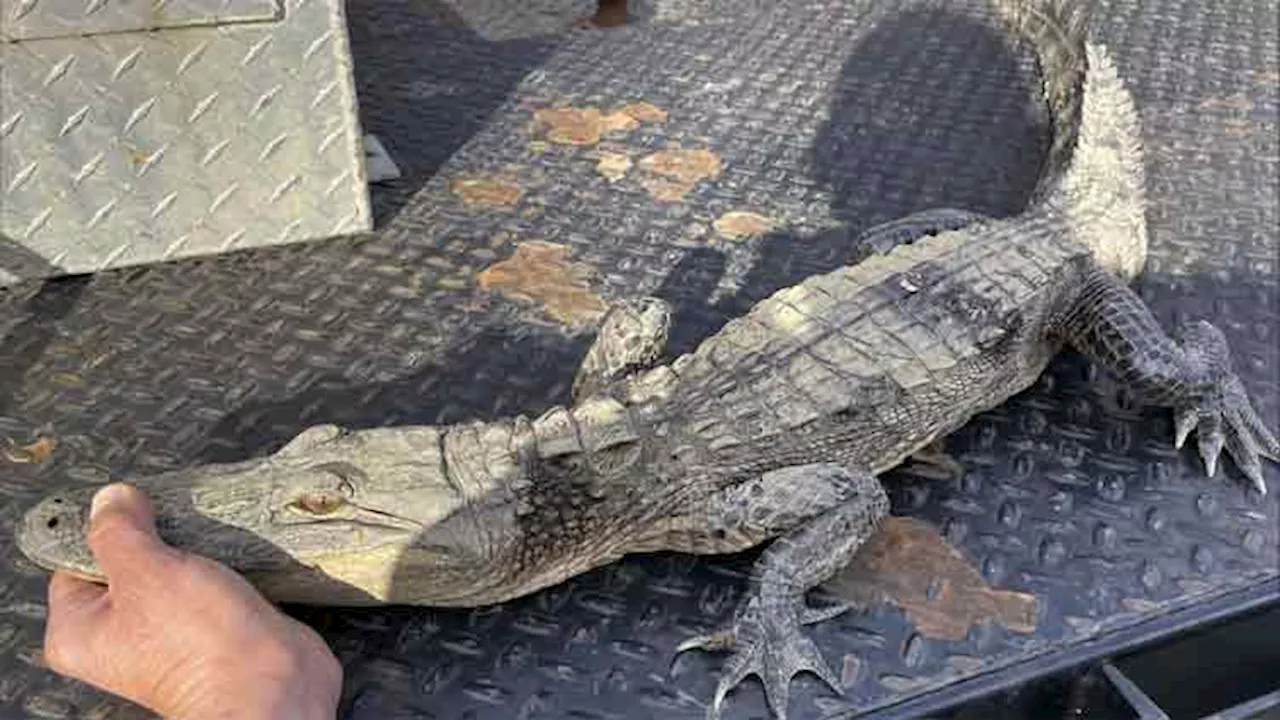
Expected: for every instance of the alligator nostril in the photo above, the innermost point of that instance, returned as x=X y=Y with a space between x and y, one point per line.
x=57 y=501
x=53 y=523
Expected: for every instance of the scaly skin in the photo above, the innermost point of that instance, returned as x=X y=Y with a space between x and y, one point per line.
x=772 y=430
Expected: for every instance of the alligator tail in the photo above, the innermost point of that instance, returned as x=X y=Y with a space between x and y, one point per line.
x=1093 y=172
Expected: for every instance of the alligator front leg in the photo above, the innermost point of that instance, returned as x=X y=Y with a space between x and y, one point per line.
x=1192 y=373
x=765 y=637
x=632 y=337
x=935 y=456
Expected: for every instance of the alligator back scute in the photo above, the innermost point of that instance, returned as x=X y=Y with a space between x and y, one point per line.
x=603 y=423
x=556 y=433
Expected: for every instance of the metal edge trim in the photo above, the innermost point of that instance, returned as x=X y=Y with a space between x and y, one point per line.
x=1117 y=641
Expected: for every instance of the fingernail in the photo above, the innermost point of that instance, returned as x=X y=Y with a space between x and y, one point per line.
x=113 y=493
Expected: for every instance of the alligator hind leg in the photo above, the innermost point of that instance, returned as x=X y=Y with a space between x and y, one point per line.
x=1191 y=373
x=765 y=636
x=632 y=337
x=880 y=239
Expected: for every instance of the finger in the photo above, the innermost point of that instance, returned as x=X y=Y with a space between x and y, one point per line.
x=122 y=534
x=74 y=607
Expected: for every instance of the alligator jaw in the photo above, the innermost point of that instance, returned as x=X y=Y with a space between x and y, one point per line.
x=243 y=515
x=52 y=535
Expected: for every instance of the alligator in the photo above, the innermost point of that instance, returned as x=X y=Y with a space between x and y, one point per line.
x=771 y=433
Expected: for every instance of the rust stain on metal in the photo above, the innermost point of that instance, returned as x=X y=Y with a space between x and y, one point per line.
x=740 y=224
x=645 y=112
x=584 y=126
x=618 y=122
x=609 y=13
x=487 y=192
x=908 y=563
x=32 y=453
x=136 y=156
x=613 y=165
x=664 y=190
x=570 y=125
x=544 y=273
x=686 y=166
x=673 y=173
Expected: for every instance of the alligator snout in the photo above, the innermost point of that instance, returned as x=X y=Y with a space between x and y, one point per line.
x=52 y=535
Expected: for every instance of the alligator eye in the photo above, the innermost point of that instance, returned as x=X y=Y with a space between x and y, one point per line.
x=320 y=503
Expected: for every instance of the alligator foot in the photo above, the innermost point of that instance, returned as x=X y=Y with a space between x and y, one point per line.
x=1222 y=416
x=935 y=455
x=632 y=336
x=767 y=641
x=1191 y=373
x=765 y=638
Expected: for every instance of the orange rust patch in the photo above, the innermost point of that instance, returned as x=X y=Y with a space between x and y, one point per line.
x=585 y=125
x=491 y=192
x=618 y=122
x=908 y=563
x=687 y=166
x=569 y=125
x=543 y=273
x=136 y=154
x=739 y=224
x=675 y=172
x=36 y=452
x=664 y=190
x=613 y=165
x=645 y=112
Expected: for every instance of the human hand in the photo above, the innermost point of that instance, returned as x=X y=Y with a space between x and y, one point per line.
x=180 y=634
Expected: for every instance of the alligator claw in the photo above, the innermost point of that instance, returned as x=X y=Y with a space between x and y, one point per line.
x=1243 y=448
x=719 y=640
x=812 y=616
x=1227 y=420
x=767 y=641
x=935 y=455
x=1211 y=440
x=1223 y=417
x=1186 y=421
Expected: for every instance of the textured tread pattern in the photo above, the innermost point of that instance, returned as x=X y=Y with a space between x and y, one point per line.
x=127 y=148
x=1070 y=492
x=31 y=19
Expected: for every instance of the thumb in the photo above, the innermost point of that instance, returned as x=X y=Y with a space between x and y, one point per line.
x=122 y=534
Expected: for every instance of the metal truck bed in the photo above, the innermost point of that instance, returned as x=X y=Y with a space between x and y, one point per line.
x=708 y=153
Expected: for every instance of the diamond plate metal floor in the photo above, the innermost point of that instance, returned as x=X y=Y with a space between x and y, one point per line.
x=790 y=120
x=131 y=135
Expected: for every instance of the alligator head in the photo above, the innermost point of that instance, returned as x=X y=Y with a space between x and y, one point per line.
x=334 y=517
